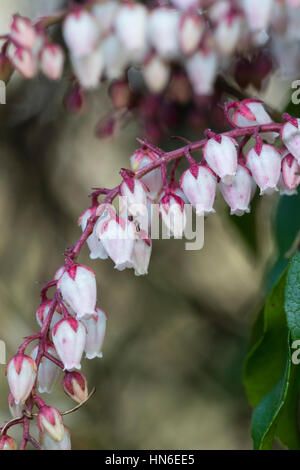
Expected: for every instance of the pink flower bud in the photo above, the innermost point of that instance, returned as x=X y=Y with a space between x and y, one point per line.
x=80 y=32
x=120 y=94
x=79 y=290
x=237 y=194
x=134 y=195
x=117 y=236
x=221 y=155
x=156 y=73
x=69 y=337
x=250 y=112
x=22 y=32
x=21 y=373
x=173 y=213
x=290 y=134
x=95 y=245
x=131 y=28
x=24 y=62
x=48 y=371
x=258 y=13
x=42 y=312
x=199 y=185
x=50 y=421
x=75 y=385
x=153 y=180
x=50 y=444
x=74 y=99
x=88 y=68
x=141 y=254
x=265 y=164
x=96 y=326
x=191 y=29
x=201 y=69
x=52 y=61
x=15 y=410
x=7 y=443
x=163 y=31
x=290 y=172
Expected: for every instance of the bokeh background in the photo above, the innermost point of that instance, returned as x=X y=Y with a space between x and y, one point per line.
x=171 y=376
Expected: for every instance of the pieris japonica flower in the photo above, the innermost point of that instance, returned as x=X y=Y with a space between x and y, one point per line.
x=15 y=410
x=48 y=443
x=290 y=134
x=290 y=172
x=75 y=385
x=131 y=28
x=153 y=180
x=80 y=32
x=78 y=288
x=115 y=59
x=264 y=163
x=199 y=185
x=7 y=443
x=88 y=68
x=141 y=253
x=69 y=337
x=191 y=29
x=251 y=112
x=96 y=327
x=95 y=245
x=173 y=213
x=283 y=189
x=22 y=32
x=227 y=33
x=258 y=13
x=134 y=195
x=21 y=373
x=156 y=72
x=52 y=61
x=237 y=194
x=221 y=155
x=117 y=236
x=48 y=372
x=50 y=421
x=59 y=272
x=42 y=312
x=201 y=68
x=105 y=15
x=163 y=31
x=24 y=61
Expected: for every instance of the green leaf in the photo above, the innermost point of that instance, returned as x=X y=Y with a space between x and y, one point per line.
x=265 y=362
x=292 y=294
x=266 y=414
x=286 y=229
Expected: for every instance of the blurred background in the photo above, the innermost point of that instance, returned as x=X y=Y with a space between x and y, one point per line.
x=171 y=375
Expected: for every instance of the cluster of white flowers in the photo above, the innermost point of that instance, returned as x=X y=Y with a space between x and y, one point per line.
x=107 y=39
x=77 y=326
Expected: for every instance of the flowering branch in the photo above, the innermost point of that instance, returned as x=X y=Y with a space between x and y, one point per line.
x=70 y=321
